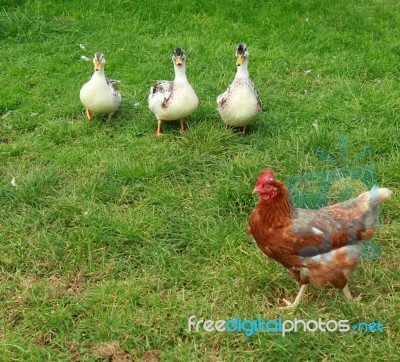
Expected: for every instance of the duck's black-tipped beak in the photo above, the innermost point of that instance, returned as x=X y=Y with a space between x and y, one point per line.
x=99 y=61
x=240 y=59
x=241 y=54
x=178 y=57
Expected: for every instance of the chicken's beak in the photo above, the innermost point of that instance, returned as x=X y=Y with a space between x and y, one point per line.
x=257 y=189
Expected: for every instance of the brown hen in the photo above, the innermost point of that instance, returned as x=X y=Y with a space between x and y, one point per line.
x=319 y=247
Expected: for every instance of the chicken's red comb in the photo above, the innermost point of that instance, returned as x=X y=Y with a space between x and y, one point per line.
x=265 y=176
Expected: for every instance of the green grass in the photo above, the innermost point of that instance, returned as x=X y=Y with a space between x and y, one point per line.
x=112 y=237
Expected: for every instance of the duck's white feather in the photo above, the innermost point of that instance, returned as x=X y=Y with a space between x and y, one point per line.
x=173 y=100
x=100 y=94
x=240 y=104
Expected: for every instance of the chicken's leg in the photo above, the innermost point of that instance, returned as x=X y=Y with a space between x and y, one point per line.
x=110 y=115
x=244 y=130
x=88 y=114
x=346 y=291
x=182 y=125
x=297 y=300
x=226 y=126
x=158 y=132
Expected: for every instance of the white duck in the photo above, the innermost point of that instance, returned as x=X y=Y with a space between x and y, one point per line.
x=239 y=105
x=100 y=95
x=173 y=100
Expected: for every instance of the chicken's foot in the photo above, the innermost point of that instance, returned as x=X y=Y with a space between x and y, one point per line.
x=296 y=302
x=346 y=292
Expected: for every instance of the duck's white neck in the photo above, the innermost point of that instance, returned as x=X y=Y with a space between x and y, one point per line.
x=180 y=73
x=98 y=74
x=242 y=71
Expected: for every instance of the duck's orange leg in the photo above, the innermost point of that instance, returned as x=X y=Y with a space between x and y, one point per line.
x=88 y=114
x=158 y=132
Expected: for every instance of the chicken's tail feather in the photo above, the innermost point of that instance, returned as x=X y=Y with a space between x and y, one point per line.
x=376 y=195
x=364 y=207
x=384 y=194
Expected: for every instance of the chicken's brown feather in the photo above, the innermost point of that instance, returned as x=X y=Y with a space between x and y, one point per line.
x=318 y=246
